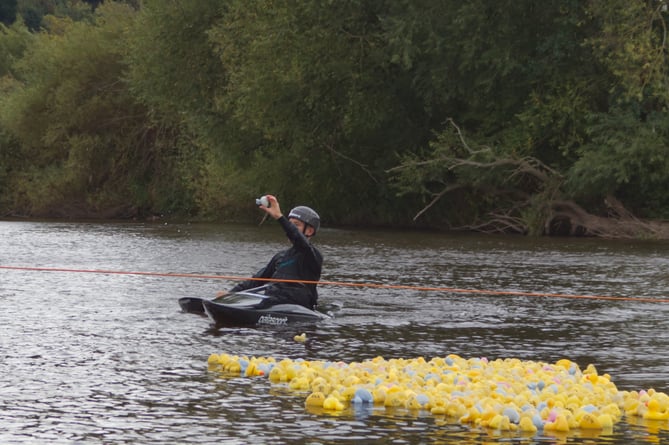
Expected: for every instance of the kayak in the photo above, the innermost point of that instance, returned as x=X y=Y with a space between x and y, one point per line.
x=240 y=309
x=194 y=305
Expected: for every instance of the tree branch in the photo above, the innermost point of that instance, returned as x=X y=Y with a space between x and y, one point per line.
x=364 y=168
x=437 y=197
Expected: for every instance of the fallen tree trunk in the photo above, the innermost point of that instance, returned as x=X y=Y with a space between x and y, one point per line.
x=522 y=194
x=568 y=218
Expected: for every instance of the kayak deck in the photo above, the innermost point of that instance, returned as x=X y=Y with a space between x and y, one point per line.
x=240 y=309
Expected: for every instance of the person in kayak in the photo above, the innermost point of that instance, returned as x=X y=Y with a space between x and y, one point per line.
x=302 y=261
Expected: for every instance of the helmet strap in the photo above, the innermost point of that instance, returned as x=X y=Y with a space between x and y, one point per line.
x=304 y=230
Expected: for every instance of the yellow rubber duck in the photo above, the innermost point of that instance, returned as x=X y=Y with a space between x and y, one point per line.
x=590 y=422
x=560 y=424
x=315 y=399
x=526 y=425
x=333 y=404
x=655 y=411
x=277 y=375
x=299 y=383
x=606 y=420
x=320 y=384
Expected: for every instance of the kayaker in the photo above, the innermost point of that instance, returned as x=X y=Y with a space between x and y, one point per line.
x=302 y=261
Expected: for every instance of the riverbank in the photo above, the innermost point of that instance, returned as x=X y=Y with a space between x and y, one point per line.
x=582 y=226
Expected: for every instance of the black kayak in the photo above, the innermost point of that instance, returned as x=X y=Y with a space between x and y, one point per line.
x=194 y=305
x=240 y=309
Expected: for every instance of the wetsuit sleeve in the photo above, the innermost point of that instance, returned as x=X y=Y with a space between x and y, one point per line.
x=296 y=237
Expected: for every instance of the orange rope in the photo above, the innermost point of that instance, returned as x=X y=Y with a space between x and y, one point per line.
x=347 y=284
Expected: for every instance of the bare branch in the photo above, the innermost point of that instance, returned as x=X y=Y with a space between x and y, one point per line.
x=436 y=199
x=343 y=156
x=463 y=141
x=498 y=223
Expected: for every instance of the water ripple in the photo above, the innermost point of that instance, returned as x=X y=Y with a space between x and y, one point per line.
x=110 y=359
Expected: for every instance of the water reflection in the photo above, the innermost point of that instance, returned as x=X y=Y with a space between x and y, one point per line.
x=109 y=358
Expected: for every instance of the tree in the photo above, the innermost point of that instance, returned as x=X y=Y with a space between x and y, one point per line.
x=8 y=12
x=173 y=69
x=90 y=146
x=314 y=81
x=573 y=139
x=507 y=116
x=626 y=152
x=13 y=42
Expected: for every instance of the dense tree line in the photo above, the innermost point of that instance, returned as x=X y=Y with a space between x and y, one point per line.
x=513 y=116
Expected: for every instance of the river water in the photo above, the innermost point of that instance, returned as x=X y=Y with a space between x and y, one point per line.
x=109 y=358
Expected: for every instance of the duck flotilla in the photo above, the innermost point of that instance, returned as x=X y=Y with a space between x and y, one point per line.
x=501 y=394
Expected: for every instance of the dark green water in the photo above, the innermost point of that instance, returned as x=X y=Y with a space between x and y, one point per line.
x=108 y=358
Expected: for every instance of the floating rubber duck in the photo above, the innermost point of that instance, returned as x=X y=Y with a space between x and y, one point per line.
x=319 y=384
x=655 y=411
x=315 y=399
x=589 y=422
x=333 y=404
x=300 y=338
x=362 y=395
x=526 y=425
x=559 y=424
x=277 y=375
x=299 y=383
x=606 y=420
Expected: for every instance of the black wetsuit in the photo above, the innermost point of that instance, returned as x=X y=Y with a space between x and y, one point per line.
x=301 y=262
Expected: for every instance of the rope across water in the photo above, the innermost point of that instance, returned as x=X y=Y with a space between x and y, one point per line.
x=343 y=284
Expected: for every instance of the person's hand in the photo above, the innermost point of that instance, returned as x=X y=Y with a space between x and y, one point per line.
x=274 y=210
x=222 y=294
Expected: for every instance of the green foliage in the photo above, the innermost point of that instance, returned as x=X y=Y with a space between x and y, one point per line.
x=7 y=12
x=370 y=111
x=625 y=159
x=625 y=154
x=171 y=65
x=632 y=45
x=34 y=12
x=13 y=42
x=90 y=146
x=8 y=161
x=478 y=185
x=577 y=66
x=174 y=72
x=313 y=81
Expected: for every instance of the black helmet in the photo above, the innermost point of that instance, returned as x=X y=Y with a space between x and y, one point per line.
x=307 y=216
